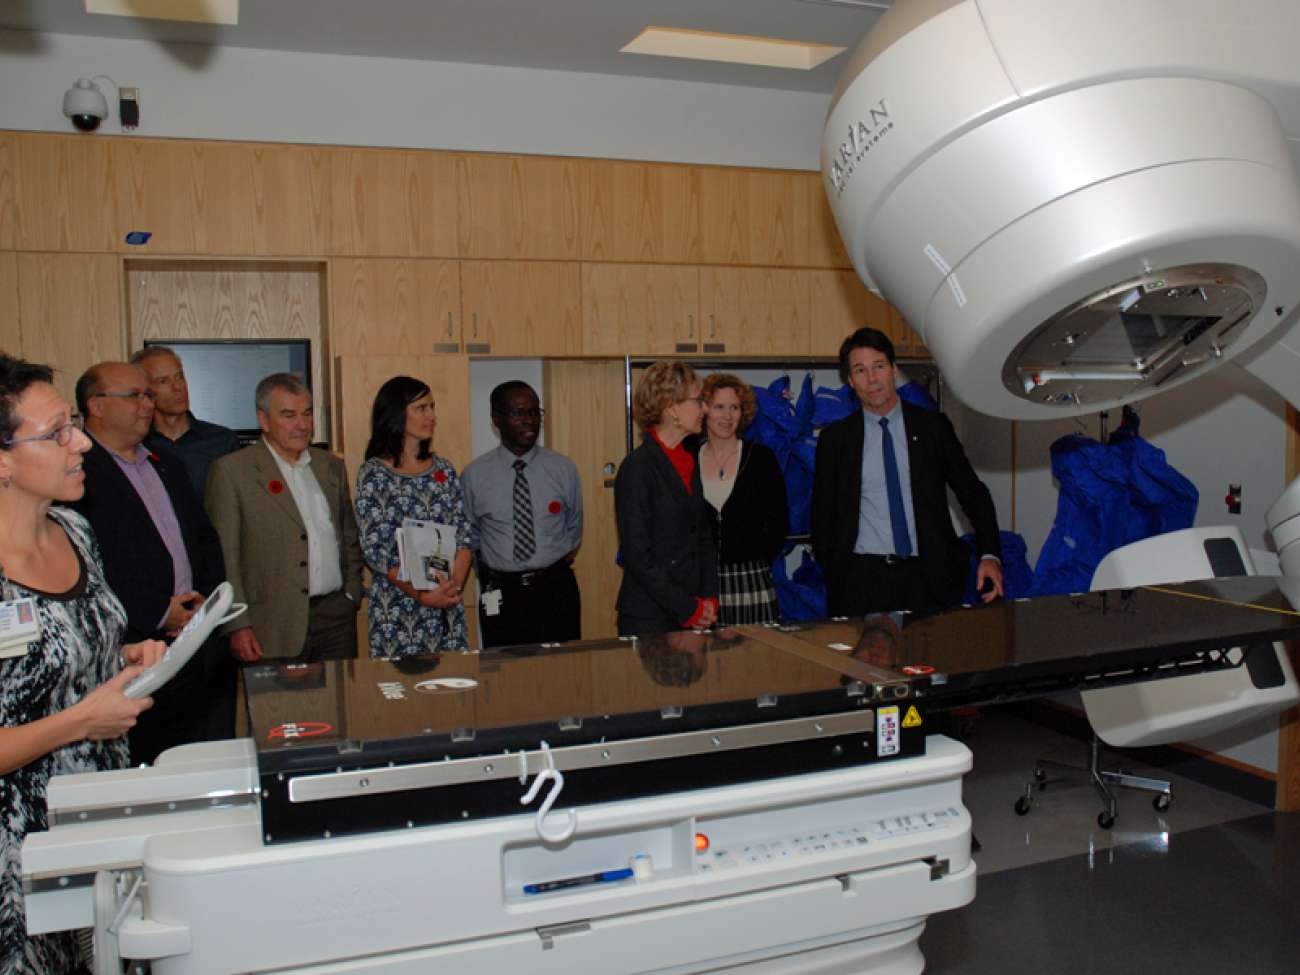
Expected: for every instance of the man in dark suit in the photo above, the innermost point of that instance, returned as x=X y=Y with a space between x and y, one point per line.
x=161 y=554
x=881 y=529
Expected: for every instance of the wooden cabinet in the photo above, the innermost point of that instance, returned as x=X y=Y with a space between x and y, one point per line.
x=392 y=203
x=395 y=307
x=11 y=335
x=70 y=312
x=221 y=198
x=755 y=217
x=523 y=207
x=842 y=304
x=641 y=309
x=8 y=201
x=521 y=308
x=753 y=311
x=640 y=211
x=825 y=245
x=64 y=193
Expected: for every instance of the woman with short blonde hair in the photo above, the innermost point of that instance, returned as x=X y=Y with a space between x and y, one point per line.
x=670 y=572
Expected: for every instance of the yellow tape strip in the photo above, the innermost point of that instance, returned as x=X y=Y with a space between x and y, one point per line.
x=1217 y=599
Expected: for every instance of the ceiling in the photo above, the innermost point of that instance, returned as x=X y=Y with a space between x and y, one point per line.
x=566 y=35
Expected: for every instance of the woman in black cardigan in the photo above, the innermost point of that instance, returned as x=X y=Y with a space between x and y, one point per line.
x=745 y=492
x=670 y=570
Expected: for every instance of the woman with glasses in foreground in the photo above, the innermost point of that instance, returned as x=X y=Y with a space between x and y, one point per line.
x=670 y=566
x=62 y=706
x=403 y=479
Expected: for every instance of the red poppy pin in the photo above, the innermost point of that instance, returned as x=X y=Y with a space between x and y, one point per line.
x=154 y=457
x=440 y=476
x=276 y=487
x=555 y=507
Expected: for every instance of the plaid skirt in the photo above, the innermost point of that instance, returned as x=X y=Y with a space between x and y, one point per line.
x=746 y=593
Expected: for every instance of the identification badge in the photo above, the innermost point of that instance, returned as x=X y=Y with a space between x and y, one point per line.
x=491 y=602
x=19 y=626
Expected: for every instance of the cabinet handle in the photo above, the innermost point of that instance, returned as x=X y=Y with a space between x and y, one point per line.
x=448 y=324
x=690 y=326
x=713 y=327
x=475 y=317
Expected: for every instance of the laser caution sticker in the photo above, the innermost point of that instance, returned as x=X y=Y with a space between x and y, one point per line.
x=300 y=729
x=918 y=670
x=913 y=718
x=446 y=685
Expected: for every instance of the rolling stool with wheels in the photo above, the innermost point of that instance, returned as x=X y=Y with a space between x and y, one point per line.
x=1102 y=779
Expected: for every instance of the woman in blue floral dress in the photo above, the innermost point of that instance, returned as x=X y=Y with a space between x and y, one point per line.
x=403 y=478
x=62 y=707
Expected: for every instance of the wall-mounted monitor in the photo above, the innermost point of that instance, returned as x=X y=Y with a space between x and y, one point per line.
x=223 y=375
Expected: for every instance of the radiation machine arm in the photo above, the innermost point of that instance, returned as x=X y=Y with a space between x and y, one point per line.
x=1081 y=203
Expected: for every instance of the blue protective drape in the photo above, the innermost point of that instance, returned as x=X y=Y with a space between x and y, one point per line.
x=1110 y=495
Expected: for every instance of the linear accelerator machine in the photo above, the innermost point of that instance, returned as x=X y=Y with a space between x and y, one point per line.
x=1077 y=204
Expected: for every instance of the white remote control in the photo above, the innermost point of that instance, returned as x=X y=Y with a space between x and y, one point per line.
x=187 y=642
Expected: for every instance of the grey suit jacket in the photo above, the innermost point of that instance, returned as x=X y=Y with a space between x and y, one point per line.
x=264 y=542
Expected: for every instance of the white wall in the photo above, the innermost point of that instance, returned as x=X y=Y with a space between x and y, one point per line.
x=271 y=96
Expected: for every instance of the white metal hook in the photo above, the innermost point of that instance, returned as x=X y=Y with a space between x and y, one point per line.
x=557 y=784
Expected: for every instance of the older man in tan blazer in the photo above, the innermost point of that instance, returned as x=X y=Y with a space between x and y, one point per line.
x=289 y=535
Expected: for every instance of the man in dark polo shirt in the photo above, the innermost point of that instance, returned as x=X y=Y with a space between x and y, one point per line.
x=196 y=442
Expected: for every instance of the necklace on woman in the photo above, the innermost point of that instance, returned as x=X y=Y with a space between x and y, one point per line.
x=723 y=462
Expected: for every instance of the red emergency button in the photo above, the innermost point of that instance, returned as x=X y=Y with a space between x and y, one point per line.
x=701 y=843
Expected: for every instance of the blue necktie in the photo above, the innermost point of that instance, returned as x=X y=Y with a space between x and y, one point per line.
x=897 y=513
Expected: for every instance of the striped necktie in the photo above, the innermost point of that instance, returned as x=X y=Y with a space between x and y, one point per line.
x=525 y=544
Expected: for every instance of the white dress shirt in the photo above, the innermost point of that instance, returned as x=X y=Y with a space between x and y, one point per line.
x=324 y=573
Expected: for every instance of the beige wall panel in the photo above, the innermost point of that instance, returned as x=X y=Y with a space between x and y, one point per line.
x=395 y=307
x=754 y=311
x=65 y=192
x=585 y=419
x=644 y=309
x=518 y=207
x=521 y=308
x=11 y=335
x=8 y=204
x=221 y=198
x=393 y=203
x=825 y=245
x=70 y=309
x=640 y=211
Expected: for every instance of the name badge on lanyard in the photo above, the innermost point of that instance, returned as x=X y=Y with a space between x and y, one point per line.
x=19 y=626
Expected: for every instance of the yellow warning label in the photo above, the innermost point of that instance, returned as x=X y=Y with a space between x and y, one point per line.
x=913 y=718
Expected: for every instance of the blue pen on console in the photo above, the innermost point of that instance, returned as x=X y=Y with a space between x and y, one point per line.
x=604 y=877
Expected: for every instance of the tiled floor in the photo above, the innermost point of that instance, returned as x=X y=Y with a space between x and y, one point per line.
x=1212 y=886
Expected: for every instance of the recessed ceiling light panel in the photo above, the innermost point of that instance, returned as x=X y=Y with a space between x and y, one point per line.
x=194 y=11
x=703 y=45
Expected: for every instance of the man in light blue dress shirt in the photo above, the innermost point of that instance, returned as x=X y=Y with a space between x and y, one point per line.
x=525 y=503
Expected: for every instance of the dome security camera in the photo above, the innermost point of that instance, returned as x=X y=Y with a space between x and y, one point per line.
x=85 y=104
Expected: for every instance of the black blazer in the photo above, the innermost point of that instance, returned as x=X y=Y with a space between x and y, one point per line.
x=937 y=462
x=669 y=559
x=755 y=519
x=136 y=561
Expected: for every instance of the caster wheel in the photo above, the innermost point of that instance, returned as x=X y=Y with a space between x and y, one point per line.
x=1039 y=775
x=1161 y=802
x=1023 y=805
x=1105 y=820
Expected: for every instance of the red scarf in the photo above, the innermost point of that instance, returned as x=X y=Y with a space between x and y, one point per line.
x=681 y=459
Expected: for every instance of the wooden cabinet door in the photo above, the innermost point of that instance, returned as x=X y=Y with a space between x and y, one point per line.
x=64 y=193
x=8 y=202
x=221 y=198
x=70 y=312
x=358 y=377
x=393 y=203
x=395 y=307
x=640 y=211
x=521 y=207
x=640 y=309
x=753 y=311
x=521 y=308
x=11 y=334
x=841 y=304
x=586 y=421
